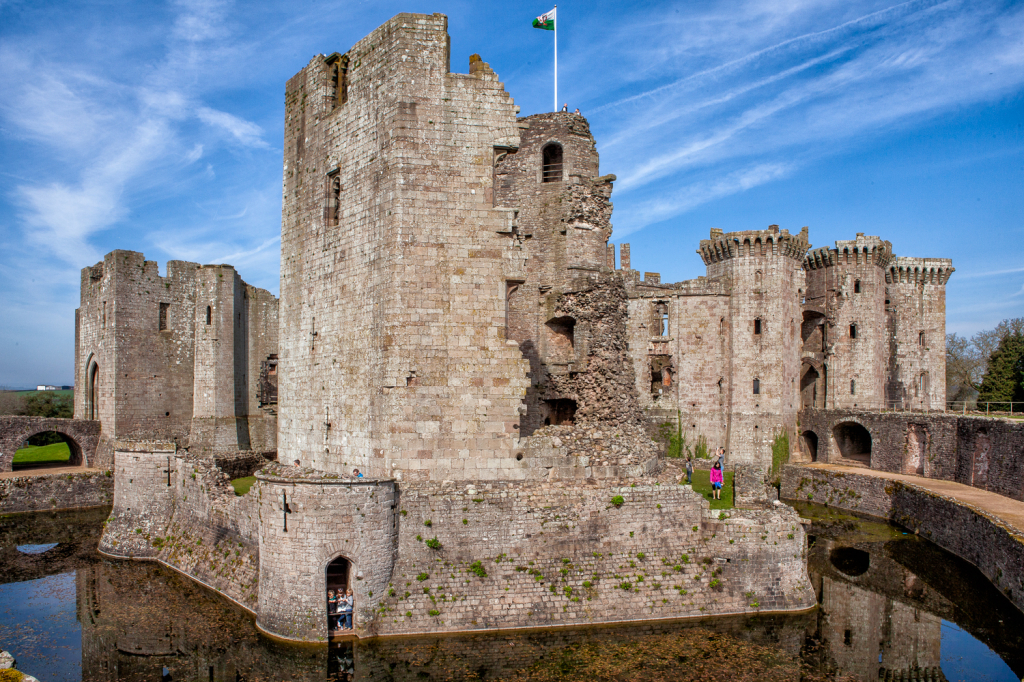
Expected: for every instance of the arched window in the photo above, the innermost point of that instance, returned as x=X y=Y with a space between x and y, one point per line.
x=920 y=339
x=758 y=278
x=209 y=314
x=757 y=387
x=552 y=168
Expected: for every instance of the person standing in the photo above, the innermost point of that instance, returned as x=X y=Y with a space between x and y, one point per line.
x=346 y=610
x=717 y=479
x=332 y=610
x=689 y=470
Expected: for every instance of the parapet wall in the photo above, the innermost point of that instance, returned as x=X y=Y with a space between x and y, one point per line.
x=963 y=529
x=50 y=492
x=983 y=452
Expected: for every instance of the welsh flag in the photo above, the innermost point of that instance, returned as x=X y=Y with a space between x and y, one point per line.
x=545 y=21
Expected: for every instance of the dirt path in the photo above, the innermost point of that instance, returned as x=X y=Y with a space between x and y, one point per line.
x=47 y=471
x=1010 y=511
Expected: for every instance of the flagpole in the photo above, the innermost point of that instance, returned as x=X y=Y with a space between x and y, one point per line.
x=556 y=57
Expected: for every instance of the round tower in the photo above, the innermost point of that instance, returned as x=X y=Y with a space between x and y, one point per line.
x=844 y=336
x=763 y=270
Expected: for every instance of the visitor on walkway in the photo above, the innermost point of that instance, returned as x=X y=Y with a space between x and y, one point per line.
x=297 y=463
x=355 y=473
x=332 y=610
x=689 y=470
x=565 y=107
x=346 y=603
x=717 y=479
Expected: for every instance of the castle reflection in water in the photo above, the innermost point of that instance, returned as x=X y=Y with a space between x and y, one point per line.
x=882 y=596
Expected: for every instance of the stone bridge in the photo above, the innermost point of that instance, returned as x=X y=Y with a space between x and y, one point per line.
x=81 y=435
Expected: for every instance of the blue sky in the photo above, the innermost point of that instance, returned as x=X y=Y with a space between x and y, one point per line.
x=157 y=126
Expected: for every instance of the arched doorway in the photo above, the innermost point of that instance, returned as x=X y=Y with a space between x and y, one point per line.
x=854 y=442
x=809 y=440
x=47 y=450
x=338 y=574
x=809 y=387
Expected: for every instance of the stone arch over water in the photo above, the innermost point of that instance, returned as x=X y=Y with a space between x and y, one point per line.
x=81 y=435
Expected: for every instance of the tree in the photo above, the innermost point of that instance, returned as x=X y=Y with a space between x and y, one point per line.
x=1004 y=376
x=11 y=402
x=45 y=404
x=967 y=360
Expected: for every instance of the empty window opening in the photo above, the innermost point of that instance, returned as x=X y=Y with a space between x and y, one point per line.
x=856 y=287
x=920 y=339
x=209 y=315
x=91 y=388
x=552 y=168
x=809 y=440
x=268 y=381
x=162 y=324
x=853 y=386
x=809 y=387
x=757 y=325
x=339 y=78
x=104 y=323
x=560 y=411
x=758 y=278
x=561 y=341
x=757 y=387
x=854 y=442
x=853 y=331
x=337 y=581
x=661 y=318
x=848 y=637
x=333 y=211
x=661 y=375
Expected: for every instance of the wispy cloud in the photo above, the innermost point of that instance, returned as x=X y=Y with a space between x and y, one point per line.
x=245 y=132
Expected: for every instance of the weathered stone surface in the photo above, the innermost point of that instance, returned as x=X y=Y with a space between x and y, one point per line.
x=46 y=492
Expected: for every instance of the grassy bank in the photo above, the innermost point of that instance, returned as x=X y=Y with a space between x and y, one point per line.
x=43 y=454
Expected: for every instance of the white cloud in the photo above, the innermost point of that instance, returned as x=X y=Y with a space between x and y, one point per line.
x=244 y=132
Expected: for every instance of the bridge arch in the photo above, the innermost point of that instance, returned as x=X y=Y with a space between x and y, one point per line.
x=81 y=435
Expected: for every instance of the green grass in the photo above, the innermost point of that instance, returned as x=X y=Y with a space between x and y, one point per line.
x=25 y=394
x=43 y=454
x=243 y=484
x=702 y=484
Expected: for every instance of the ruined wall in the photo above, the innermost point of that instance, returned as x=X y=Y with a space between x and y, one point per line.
x=845 y=333
x=529 y=555
x=916 y=307
x=986 y=453
x=692 y=353
x=168 y=358
x=394 y=261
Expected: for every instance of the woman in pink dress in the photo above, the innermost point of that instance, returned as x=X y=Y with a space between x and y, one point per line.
x=717 y=479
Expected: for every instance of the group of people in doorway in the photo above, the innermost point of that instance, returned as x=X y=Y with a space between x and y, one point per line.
x=339 y=609
x=717 y=473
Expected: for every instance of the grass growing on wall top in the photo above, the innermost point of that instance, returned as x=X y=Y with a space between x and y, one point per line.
x=702 y=484
x=43 y=454
x=242 y=485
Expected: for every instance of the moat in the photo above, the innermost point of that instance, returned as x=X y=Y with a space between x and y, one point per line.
x=891 y=606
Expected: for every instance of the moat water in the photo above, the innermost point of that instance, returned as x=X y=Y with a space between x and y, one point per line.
x=891 y=606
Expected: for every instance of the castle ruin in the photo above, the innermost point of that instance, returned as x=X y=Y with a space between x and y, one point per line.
x=452 y=322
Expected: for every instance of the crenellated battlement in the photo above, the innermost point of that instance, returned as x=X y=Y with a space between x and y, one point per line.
x=864 y=250
x=771 y=242
x=920 y=271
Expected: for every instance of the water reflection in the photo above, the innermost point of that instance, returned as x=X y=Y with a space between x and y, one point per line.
x=892 y=606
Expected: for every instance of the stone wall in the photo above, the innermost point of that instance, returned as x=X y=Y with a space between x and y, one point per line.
x=530 y=555
x=46 y=492
x=967 y=531
x=182 y=511
x=394 y=262
x=82 y=436
x=983 y=452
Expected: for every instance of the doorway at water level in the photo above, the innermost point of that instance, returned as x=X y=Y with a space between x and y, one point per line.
x=338 y=580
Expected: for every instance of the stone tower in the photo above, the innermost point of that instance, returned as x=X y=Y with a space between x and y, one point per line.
x=395 y=263
x=844 y=334
x=762 y=270
x=916 y=316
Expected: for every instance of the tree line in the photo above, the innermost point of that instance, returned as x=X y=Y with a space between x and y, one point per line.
x=39 y=404
x=987 y=367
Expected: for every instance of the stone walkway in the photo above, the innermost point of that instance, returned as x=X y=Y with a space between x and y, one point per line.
x=1009 y=511
x=47 y=471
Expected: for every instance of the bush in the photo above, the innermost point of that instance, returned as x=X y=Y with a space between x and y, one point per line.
x=423 y=576
x=428 y=523
x=618 y=500
x=478 y=568
x=434 y=543
x=434 y=612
